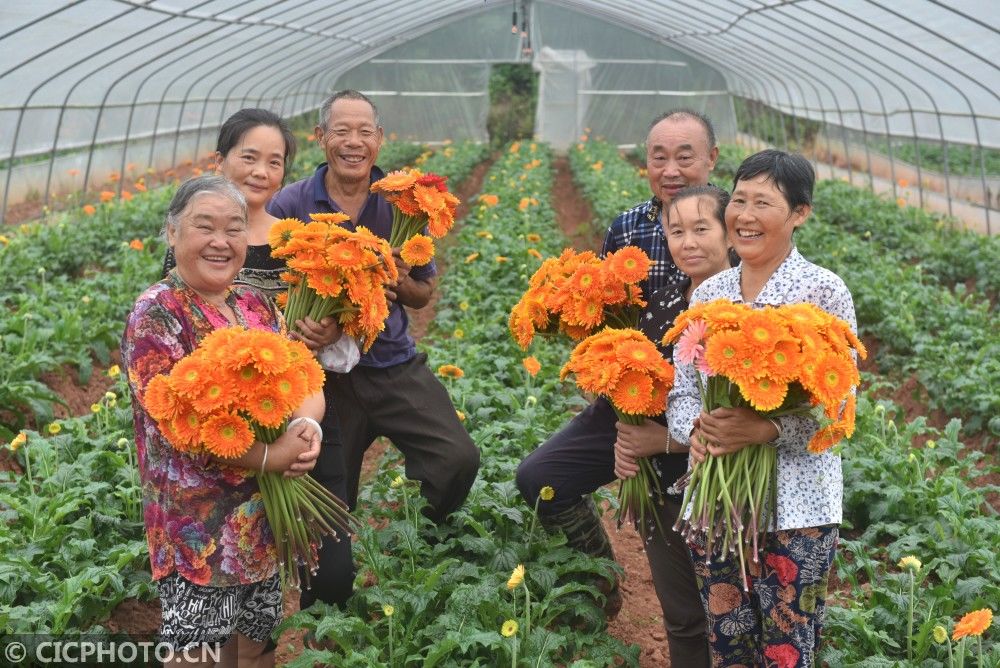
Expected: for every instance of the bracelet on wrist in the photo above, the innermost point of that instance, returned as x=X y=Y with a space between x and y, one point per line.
x=777 y=426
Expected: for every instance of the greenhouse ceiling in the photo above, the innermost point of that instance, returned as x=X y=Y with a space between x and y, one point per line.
x=145 y=74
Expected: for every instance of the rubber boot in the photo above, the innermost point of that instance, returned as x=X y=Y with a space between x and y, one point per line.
x=585 y=532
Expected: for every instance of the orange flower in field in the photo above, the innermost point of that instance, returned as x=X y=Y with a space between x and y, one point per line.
x=532 y=237
x=632 y=392
x=764 y=393
x=226 y=435
x=586 y=312
x=89 y=209
x=532 y=365
x=534 y=253
x=329 y=218
x=136 y=244
x=140 y=186
x=396 y=181
x=587 y=280
x=637 y=354
x=346 y=254
x=107 y=195
x=489 y=200
x=471 y=257
x=126 y=195
x=723 y=314
x=783 y=360
x=450 y=371
x=292 y=388
x=724 y=351
x=246 y=380
x=630 y=264
x=762 y=331
x=418 y=250
x=500 y=259
x=974 y=623
x=281 y=232
x=524 y=204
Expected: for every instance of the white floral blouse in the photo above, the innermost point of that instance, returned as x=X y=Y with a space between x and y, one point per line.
x=810 y=487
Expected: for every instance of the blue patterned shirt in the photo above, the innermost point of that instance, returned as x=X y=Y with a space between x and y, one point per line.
x=640 y=227
x=810 y=487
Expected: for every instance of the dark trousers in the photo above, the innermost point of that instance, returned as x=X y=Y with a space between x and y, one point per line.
x=410 y=406
x=578 y=459
x=333 y=582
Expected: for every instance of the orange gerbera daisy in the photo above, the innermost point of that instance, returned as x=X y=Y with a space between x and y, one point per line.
x=186 y=427
x=440 y=222
x=216 y=394
x=335 y=218
x=764 y=393
x=632 y=392
x=531 y=365
x=629 y=264
x=587 y=313
x=281 y=299
x=268 y=352
x=396 y=181
x=450 y=371
x=587 y=280
x=291 y=386
x=782 y=361
x=723 y=352
x=762 y=330
x=532 y=237
x=268 y=409
x=418 y=250
x=326 y=283
x=246 y=379
x=826 y=438
x=833 y=379
x=160 y=400
x=722 y=314
x=226 y=435
x=189 y=375
x=346 y=254
x=281 y=232
x=534 y=253
x=637 y=354
x=974 y=623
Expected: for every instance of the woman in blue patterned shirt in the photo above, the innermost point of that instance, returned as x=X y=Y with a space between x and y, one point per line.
x=778 y=622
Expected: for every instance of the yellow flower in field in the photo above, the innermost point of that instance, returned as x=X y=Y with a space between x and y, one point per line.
x=509 y=628
x=900 y=202
x=55 y=428
x=546 y=493
x=460 y=414
x=122 y=442
x=533 y=237
x=534 y=253
x=524 y=204
x=4 y=240
x=397 y=482
x=501 y=259
x=463 y=306
x=974 y=623
x=931 y=444
x=110 y=396
x=910 y=563
x=114 y=371
x=388 y=610
x=85 y=299
x=450 y=371
x=471 y=257
x=517 y=577
x=940 y=634
x=458 y=334
x=597 y=166
x=18 y=441
x=95 y=408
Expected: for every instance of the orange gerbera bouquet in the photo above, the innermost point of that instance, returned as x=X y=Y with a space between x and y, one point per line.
x=792 y=359
x=576 y=293
x=333 y=270
x=626 y=367
x=236 y=387
x=418 y=200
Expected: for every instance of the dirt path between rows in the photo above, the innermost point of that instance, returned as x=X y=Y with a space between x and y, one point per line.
x=640 y=620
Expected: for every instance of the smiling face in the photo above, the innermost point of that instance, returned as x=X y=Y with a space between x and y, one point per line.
x=677 y=156
x=697 y=238
x=209 y=243
x=351 y=140
x=256 y=164
x=760 y=222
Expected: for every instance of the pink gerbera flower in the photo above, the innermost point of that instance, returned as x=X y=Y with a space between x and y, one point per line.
x=690 y=348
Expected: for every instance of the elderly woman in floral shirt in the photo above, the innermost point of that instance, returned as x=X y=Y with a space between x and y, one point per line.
x=211 y=549
x=778 y=622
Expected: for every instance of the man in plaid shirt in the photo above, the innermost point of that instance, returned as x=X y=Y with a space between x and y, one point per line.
x=575 y=461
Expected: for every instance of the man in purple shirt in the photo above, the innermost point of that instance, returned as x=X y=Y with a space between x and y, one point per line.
x=391 y=392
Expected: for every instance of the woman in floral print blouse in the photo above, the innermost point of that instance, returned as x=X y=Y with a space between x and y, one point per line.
x=211 y=550
x=778 y=622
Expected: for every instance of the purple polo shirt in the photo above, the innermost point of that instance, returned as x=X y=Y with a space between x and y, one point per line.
x=394 y=345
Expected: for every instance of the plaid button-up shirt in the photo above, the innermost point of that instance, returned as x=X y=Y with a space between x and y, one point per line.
x=640 y=226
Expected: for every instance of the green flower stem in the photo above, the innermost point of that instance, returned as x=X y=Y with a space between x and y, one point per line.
x=909 y=626
x=527 y=609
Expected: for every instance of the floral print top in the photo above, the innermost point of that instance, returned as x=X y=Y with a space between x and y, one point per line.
x=810 y=487
x=204 y=519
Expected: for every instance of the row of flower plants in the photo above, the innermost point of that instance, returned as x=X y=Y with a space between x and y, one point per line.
x=489 y=586
x=73 y=546
x=910 y=491
x=906 y=269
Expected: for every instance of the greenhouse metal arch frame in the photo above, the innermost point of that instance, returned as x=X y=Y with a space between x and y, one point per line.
x=854 y=66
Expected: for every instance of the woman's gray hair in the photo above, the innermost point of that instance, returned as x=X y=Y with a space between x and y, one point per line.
x=211 y=184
